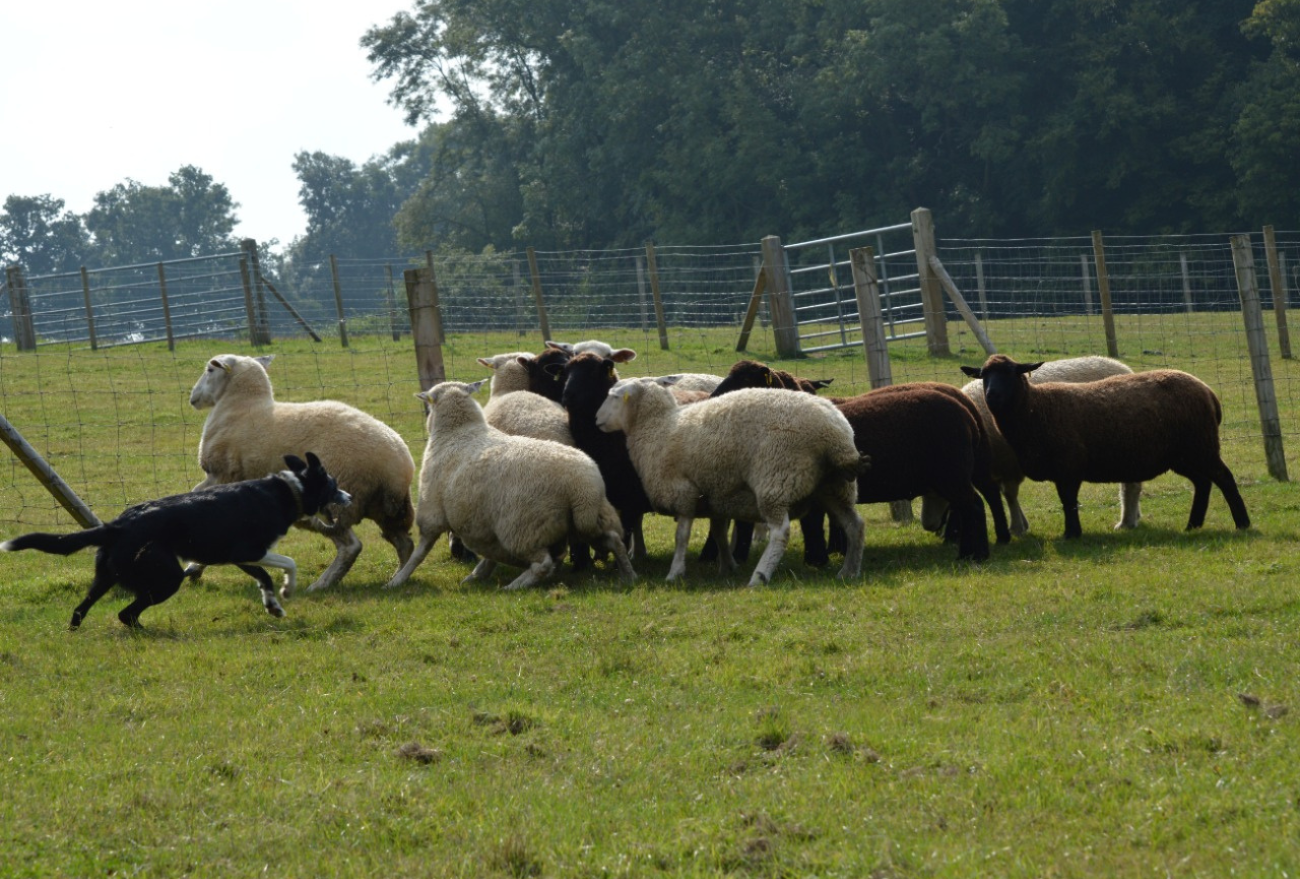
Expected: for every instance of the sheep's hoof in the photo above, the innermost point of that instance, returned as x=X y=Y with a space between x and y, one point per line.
x=275 y=610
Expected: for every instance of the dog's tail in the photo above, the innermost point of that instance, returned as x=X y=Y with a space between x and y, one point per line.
x=60 y=544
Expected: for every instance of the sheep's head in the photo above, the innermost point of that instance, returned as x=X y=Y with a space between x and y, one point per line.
x=594 y=346
x=1004 y=380
x=218 y=374
x=745 y=374
x=628 y=397
x=508 y=371
x=587 y=379
x=448 y=395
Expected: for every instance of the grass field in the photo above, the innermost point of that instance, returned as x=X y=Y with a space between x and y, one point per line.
x=1121 y=705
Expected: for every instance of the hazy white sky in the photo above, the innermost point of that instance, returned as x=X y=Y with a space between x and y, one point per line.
x=93 y=93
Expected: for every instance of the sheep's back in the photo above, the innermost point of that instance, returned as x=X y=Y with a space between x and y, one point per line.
x=523 y=413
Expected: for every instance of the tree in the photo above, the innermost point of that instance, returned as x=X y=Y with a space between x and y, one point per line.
x=1267 y=131
x=37 y=233
x=191 y=216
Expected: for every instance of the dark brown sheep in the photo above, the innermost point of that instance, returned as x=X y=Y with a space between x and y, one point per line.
x=1126 y=428
x=752 y=374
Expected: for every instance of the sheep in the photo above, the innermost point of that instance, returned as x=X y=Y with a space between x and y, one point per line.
x=248 y=433
x=1005 y=468
x=752 y=374
x=513 y=406
x=594 y=346
x=511 y=499
x=587 y=380
x=749 y=455
x=1125 y=428
x=693 y=381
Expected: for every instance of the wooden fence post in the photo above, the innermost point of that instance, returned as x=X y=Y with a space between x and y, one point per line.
x=1243 y=260
x=90 y=309
x=249 y=312
x=166 y=307
x=755 y=301
x=390 y=299
x=979 y=286
x=870 y=319
x=1088 y=308
x=936 y=321
x=1277 y=284
x=263 y=323
x=652 y=269
x=780 y=301
x=1103 y=290
x=640 y=293
x=21 y=306
x=426 y=327
x=1187 y=282
x=338 y=301
x=537 y=295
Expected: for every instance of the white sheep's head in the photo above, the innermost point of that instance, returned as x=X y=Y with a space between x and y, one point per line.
x=595 y=346
x=618 y=410
x=448 y=393
x=217 y=375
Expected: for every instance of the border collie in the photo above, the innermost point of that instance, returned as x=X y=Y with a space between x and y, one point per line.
x=234 y=524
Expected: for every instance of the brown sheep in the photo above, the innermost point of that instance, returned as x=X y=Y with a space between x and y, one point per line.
x=1126 y=428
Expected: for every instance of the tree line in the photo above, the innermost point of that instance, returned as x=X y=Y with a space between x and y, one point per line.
x=568 y=124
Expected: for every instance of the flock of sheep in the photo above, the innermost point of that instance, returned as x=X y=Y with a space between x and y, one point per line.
x=566 y=457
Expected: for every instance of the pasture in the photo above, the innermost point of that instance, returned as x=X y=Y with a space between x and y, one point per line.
x=1121 y=705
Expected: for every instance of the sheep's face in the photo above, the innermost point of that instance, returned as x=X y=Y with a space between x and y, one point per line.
x=1003 y=379
x=217 y=375
x=613 y=414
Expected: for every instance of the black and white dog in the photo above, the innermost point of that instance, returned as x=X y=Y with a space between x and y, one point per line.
x=234 y=524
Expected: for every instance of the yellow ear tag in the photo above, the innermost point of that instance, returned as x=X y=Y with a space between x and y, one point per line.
x=611 y=372
x=625 y=396
x=769 y=379
x=226 y=366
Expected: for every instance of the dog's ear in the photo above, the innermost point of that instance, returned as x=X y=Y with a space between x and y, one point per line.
x=295 y=463
x=314 y=462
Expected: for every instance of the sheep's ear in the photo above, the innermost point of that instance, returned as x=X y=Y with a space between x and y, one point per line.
x=425 y=396
x=560 y=346
x=623 y=355
x=973 y=371
x=820 y=383
x=218 y=363
x=488 y=363
x=1026 y=368
x=474 y=387
x=525 y=359
x=668 y=380
x=265 y=360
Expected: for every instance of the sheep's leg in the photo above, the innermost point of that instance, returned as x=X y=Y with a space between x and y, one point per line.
x=933 y=510
x=349 y=547
x=265 y=585
x=678 y=567
x=1227 y=484
x=973 y=530
x=422 y=547
x=1130 y=494
x=635 y=536
x=815 y=551
x=846 y=516
x=1068 y=492
x=726 y=560
x=401 y=541
x=481 y=571
x=535 y=573
x=1019 y=524
x=993 y=497
x=614 y=543
x=778 y=536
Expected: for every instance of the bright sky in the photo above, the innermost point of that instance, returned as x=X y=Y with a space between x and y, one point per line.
x=93 y=93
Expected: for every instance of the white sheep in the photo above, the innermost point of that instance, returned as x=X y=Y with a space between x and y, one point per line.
x=750 y=455
x=1003 y=464
x=514 y=409
x=511 y=499
x=248 y=433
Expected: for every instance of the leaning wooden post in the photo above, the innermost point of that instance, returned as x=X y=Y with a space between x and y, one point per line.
x=936 y=322
x=1277 y=284
x=862 y=261
x=755 y=301
x=338 y=301
x=652 y=269
x=780 y=300
x=166 y=307
x=1103 y=290
x=1243 y=260
x=425 y=327
x=537 y=295
x=90 y=308
x=960 y=301
x=45 y=474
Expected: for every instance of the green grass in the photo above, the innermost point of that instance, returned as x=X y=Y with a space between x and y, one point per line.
x=1121 y=705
